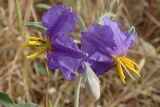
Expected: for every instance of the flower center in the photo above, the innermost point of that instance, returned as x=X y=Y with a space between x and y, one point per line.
x=44 y=44
x=128 y=65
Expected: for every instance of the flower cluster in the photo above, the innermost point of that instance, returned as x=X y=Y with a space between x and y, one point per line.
x=103 y=46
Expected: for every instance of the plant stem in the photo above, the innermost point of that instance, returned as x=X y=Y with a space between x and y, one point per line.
x=78 y=86
x=47 y=96
x=18 y=12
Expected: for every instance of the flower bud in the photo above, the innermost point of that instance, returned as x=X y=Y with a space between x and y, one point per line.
x=92 y=83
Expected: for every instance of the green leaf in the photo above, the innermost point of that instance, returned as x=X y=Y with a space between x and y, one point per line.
x=4 y=99
x=26 y=105
x=109 y=15
x=43 y=6
x=37 y=25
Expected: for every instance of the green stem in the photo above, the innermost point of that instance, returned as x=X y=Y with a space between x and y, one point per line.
x=76 y=100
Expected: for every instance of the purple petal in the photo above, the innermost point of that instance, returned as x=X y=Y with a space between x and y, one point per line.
x=64 y=45
x=66 y=64
x=65 y=55
x=52 y=61
x=99 y=38
x=125 y=39
x=100 y=58
x=129 y=39
x=100 y=68
x=117 y=33
x=59 y=19
x=99 y=63
x=67 y=72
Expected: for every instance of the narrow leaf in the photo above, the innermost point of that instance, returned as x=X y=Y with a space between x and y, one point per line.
x=43 y=6
x=37 y=25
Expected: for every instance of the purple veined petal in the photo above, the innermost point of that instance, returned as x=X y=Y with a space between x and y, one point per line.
x=98 y=38
x=64 y=45
x=112 y=23
x=59 y=19
x=65 y=55
x=100 y=58
x=115 y=26
x=52 y=61
x=88 y=45
x=129 y=38
x=100 y=63
x=125 y=39
x=100 y=68
x=67 y=73
x=69 y=53
x=67 y=65
x=64 y=39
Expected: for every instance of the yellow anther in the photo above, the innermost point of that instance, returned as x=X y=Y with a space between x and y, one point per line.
x=133 y=70
x=40 y=42
x=131 y=61
x=36 y=43
x=34 y=38
x=120 y=72
x=124 y=61
x=34 y=55
x=128 y=65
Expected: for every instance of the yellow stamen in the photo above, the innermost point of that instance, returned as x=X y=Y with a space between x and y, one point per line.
x=127 y=71
x=33 y=43
x=34 y=55
x=120 y=72
x=133 y=70
x=123 y=60
x=131 y=61
x=34 y=38
x=127 y=64
x=40 y=42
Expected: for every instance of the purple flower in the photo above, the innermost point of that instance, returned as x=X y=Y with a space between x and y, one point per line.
x=59 y=19
x=107 y=46
x=62 y=52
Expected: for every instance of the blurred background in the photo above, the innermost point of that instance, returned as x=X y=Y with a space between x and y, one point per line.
x=27 y=80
